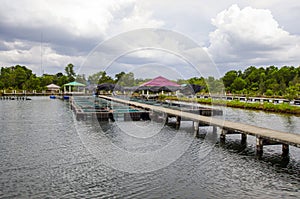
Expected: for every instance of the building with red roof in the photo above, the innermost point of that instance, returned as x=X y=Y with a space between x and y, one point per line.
x=160 y=81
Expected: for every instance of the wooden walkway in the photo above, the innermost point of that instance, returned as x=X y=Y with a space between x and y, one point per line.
x=264 y=136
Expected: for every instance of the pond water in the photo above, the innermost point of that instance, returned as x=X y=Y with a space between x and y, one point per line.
x=44 y=152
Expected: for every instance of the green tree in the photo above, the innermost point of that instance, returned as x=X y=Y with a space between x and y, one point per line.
x=291 y=93
x=33 y=83
x=104 y=78
x=94 y=78
x=197 y=81
x=81 y=78
x=229 y=78
x=127 y=79
x=269 y=92
x=140 y=81
x=99 y=78
x=182 y=81
x=214 y=85
x=252 y=77
x=15 y=77
x=238 y=84
x=62 y=80
x=7 y=77
x=287 y=74
x=262 y=85
x=46 y=79
x=69 y=69
x=119 y=76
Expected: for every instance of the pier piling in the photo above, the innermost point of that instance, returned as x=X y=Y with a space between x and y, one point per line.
x=285 y=150
x=259 y=146
x=196 y=129
x=223 y=135
x=215 y=128
x=243 y=138
x=178 y=119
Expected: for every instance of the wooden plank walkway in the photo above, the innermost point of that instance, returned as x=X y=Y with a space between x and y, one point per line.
x=261 y=133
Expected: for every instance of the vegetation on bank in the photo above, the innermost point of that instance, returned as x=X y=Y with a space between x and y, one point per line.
x=271 y=81
x=264 y=82
x=21 y=78
x=265 y=106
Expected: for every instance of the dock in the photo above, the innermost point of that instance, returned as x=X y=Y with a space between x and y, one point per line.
x=264 y=136
x=14 y=98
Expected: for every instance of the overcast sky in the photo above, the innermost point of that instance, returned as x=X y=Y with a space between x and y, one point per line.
x=106 y=35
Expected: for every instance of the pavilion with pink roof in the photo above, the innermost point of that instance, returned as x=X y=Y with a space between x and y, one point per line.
x=159 y=84
x=160 y=81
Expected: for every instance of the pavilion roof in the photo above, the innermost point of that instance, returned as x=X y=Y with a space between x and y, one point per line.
x=74 y=84
x=52 y=86
x=160 y=81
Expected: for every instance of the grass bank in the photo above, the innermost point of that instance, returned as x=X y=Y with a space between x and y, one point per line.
x=266 y=106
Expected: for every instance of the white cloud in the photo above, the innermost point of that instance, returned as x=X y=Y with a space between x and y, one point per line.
x=71 y=29
x=151 y=46
x=50 y=60
x=251 y=36
x=132 y=16
x=76 y=18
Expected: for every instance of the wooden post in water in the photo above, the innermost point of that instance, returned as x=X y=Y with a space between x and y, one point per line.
x=196 y=129
x=285 y=150
x=178 y=119
x=215 y=129
x=223 y=135
x=259 y=146
x=167 y=119
x=244 y=138
x=78 y=116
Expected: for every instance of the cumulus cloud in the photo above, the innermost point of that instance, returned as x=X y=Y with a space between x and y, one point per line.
x=32 y=57
x=251 y=36
x=152 y=46
x=68 y=30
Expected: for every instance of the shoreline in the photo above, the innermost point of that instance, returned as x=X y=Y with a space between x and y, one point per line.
x=282 y=108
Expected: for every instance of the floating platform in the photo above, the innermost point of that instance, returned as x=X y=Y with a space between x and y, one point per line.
x=102 y=110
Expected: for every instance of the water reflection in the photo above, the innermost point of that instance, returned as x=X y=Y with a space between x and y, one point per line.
x=289 y=123
x=281 y=122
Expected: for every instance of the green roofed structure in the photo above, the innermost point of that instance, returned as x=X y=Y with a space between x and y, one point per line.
x=74 y=85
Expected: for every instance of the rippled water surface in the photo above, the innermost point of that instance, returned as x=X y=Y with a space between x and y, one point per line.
x=44 y=152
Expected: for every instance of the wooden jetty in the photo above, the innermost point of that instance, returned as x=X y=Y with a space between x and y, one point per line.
x=14 y=98
x=264 y=136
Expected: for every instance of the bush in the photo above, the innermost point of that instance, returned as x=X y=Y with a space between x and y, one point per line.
x=269 y=92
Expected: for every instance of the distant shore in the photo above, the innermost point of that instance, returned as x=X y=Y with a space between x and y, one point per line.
x=262 y=106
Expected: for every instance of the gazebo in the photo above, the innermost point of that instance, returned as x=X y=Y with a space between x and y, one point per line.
x=160 y=81
x=74 y=84
x=53 y=88
x=159 y=84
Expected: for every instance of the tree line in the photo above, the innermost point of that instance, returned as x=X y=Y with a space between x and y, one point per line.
x=253 y=81
x=21 y=78
x=270 y=81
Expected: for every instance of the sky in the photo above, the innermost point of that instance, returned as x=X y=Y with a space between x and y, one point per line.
x=172 y=38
